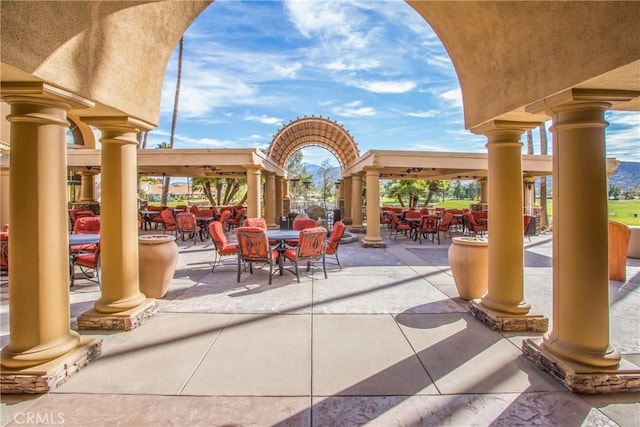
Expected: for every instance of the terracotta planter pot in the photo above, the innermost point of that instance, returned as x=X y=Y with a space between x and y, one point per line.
x=469 y=261
x=158 y=257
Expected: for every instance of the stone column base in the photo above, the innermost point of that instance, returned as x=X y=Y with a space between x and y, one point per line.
x=361 y=229
x=508 y=322
x=580 y=378
x=372 y=244
x=123 y=321
x=47 y=376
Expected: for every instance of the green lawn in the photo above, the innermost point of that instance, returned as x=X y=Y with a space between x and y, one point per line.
x=624 y=211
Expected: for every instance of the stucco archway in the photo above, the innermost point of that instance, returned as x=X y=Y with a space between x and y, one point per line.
x=317 y=131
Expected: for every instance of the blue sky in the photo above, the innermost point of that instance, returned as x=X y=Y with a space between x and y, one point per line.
x=377 y=68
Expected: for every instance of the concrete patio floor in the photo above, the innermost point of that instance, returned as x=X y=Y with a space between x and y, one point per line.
x=383 y=342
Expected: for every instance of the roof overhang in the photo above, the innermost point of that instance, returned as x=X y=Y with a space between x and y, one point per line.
x=210 y=163
x=440 y=165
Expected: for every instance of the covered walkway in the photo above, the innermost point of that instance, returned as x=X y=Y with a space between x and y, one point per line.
x=386 y=341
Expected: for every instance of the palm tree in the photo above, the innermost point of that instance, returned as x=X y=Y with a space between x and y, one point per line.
x=544 y=215
x=174 y=120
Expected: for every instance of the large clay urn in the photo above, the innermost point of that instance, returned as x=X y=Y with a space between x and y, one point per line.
x=469 y=261
x=158 y=257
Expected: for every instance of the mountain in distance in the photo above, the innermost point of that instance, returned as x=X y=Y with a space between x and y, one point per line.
x=626 y=176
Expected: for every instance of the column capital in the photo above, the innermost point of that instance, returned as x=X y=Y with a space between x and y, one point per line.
x=89 y=171
x=41 y=92
x=504 y=127
x=122 y=124
x=252 y=168
x=570 y=97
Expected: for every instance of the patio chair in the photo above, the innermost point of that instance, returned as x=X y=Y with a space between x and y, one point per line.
x=187 y=225
x=255 y=222
x=169 y=221
x=253 y=247
x=473 y=227
x=224 y=218
x=527 y=221
x=310 y=249
x=223 y=248
x=237 y=219
x=303 y=223
x=445 y=224
x=86 y=260
x=87 y=225
x=398 y=227
x=429 y=227
x=4 y=248
x=334 y=242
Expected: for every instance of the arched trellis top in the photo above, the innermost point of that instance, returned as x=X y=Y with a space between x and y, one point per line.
x=316 y=131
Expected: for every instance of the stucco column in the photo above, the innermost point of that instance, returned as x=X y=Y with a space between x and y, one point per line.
x=253 y=191
x=347 y=181
x=373 y=238
x=580 y=329
x=528 y=185
x=286 y=199
x=39 y=328
x=270 y=200
x=356 y=203
x=87 y=186
x=118 y=216
x=506 y=243
x=279 y=198
x=484 y=190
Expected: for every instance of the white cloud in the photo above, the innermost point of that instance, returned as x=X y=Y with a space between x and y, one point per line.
x=264 y=120
x=354 y=109
x=423 y=114
x=453 y=97
x=386 y=86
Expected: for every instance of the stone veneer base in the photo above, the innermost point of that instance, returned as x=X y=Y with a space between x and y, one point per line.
x=508 y=322
x=124 y=321
x=366 y=244
x=47 y=376
x=580 y=378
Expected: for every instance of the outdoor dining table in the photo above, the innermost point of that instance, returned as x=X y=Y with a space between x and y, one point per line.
x=281 y=237
x=83 y=239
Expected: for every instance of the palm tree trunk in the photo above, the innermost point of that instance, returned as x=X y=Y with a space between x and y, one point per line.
x=544 y=215
x=174 y=120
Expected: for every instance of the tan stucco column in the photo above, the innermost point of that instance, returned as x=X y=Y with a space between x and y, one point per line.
x=270 y=200
x=373 y=238
x=279 y=198
x=347 y=181
x=253 y=191
x=506 y=245
x=528 y=186
x=580 y=329
x=356 y=204
x=87 y=186
x=286 y=199
x=39 y=314
x=484 y=190
x=118 y=216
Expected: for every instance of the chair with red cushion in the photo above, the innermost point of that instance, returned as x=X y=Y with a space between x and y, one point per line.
x=4 y=248
x=303 y=223
x=255 y=222
x=86 y=260
x=445 y=224
x=169 y=221
x=429 y=227
x=473 y=227
x=237 y=219
x=398 y=227
x=527 y=221
x=310 y=249
x=187 y=225
x=334 y=241
x=224 y=219
x=87 y=225
x=223 y=248
x=253 y=247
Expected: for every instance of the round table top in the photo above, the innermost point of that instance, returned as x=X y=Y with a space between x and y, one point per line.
x=83 y=239
x=283 y=234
